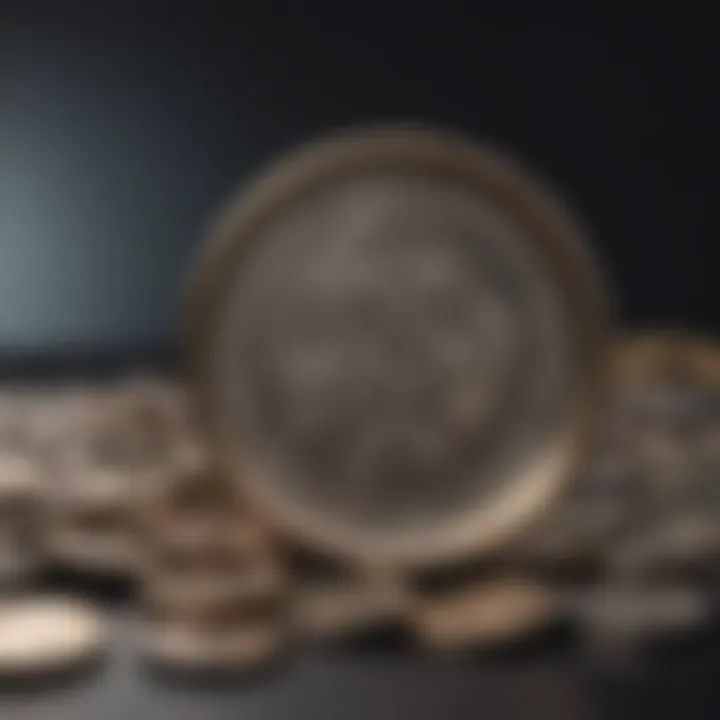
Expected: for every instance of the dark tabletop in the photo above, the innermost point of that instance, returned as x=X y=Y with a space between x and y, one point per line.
x=382 y=680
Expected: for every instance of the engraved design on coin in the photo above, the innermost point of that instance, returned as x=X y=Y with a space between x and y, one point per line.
x=391 y=352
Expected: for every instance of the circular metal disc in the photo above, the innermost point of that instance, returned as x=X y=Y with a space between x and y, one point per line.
x=395 y=342
x=48 y=634
x=493 y=613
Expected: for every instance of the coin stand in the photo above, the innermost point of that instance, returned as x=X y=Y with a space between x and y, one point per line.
x=122 y=437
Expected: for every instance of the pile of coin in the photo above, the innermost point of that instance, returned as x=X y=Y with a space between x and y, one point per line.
x=214 y=583
x=76 y=463
x=628 y=551
x=109 y=446
x=405 y=406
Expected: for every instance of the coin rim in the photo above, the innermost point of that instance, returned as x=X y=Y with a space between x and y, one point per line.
x=483 y=170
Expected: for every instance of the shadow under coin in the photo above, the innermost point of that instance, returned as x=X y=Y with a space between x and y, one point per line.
x=19 y=684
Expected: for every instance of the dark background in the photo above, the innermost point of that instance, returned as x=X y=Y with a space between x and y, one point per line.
x=124 y=125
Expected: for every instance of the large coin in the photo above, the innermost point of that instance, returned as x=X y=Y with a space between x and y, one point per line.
x=664 y=425
x=395 y=343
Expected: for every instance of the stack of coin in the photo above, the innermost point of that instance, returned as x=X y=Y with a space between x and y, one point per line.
x=39 y=634
x=20 y=521
x=666 y=414
x=660 y=547
x=122 y=439
x=213 y=583
x=87 y=495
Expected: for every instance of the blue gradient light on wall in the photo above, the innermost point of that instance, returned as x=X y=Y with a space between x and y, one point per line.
x=111 y=161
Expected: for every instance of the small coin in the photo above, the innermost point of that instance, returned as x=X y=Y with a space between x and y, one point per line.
x=48 y=634
x=188 y=647
x=486 y=615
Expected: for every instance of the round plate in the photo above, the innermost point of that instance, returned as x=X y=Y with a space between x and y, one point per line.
x=395 y=342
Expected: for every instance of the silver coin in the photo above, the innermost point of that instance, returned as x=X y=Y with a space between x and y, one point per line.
x=394 y=360
x=48 y=634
